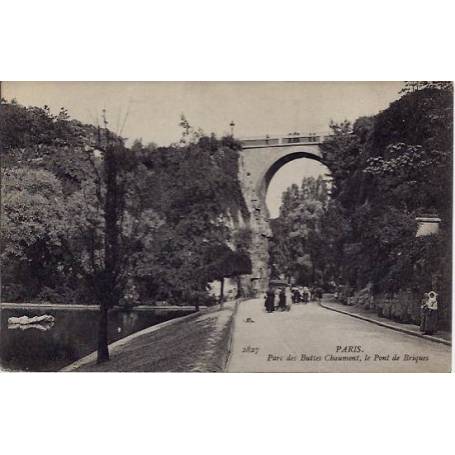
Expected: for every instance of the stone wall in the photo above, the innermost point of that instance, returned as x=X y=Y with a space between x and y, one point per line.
x=403 y=306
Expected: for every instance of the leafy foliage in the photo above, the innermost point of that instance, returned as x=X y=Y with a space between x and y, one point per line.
x=387 y=170
x=195 y=190
x=296 y=247
x=167 y=207
x=34 y=221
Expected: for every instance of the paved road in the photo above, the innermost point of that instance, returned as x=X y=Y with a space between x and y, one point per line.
x=306 y=340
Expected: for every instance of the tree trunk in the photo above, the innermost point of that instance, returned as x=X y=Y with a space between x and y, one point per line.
x=108 y=289
x=103 y=349
x=111 y=215
x=222 y=291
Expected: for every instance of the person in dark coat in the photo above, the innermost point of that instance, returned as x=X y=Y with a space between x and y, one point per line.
x=282 y=300
x=296 y=296
x=270 y=300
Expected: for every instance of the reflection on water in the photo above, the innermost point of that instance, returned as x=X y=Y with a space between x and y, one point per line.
x=49 y=346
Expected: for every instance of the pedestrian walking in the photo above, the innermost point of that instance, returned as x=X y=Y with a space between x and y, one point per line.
x=296 y=297
x=306 y=295
x=270 y=300
x=289 y=299
x=282 y=300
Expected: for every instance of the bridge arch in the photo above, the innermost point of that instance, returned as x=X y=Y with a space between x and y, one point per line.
x=262 y=163
x=263 y=185
x=261 y=159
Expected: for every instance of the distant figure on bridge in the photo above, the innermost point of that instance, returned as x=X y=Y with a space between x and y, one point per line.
x=270 y=300
x=282 y=300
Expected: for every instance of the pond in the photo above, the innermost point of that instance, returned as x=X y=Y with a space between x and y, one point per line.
x=48 y=346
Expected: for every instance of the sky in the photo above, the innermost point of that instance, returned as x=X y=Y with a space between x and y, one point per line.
x=151 y=110
x=290 y=173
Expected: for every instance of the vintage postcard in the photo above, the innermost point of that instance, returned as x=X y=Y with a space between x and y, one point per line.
x=226 y=226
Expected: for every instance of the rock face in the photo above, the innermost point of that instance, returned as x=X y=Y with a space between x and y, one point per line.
x=259 y=225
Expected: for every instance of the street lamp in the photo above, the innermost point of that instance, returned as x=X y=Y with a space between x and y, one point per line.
x=232 y=124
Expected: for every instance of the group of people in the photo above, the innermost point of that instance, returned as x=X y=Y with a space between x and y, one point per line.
x=429 y=313
x=429 y=306
x=301 y=295
x=280 y=298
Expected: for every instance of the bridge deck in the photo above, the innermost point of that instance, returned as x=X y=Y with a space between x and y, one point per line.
x=282 y=141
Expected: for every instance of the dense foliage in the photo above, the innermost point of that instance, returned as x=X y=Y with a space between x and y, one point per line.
x=195 y=190
x=386 y=171
x=296 y=246
x=168 y=207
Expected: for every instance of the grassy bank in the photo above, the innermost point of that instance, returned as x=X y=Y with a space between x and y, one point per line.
x=196 y=344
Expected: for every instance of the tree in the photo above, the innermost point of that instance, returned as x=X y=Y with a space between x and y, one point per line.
x=386 y=170
x=195 y=189
x=34 y=222
x=72 y=207
x=223 y=262
x=121 y=241
x=98 y=219
x=107 y=280
x=297 y=246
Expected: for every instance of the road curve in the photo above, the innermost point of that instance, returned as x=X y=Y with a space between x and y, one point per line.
x=310 y=338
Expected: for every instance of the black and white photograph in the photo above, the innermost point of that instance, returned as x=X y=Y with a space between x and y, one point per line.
x=226 y=227
x=240 y=227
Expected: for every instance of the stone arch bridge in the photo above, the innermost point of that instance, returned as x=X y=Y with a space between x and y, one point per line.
x=261 y=158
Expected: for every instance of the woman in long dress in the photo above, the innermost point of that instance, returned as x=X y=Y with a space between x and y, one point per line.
x=429 y=324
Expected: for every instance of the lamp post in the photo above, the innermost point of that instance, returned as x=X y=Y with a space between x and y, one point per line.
x=232 y=124
x=428 y=224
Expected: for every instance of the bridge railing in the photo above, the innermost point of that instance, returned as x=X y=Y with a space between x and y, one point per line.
x=280 y=140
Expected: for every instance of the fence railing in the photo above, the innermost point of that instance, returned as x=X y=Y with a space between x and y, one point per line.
x=283 y=140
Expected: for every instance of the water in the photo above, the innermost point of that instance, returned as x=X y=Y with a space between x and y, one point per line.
x=51 y=346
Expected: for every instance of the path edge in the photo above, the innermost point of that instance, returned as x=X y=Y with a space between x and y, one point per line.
x=389 y=326
x=230 y=341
